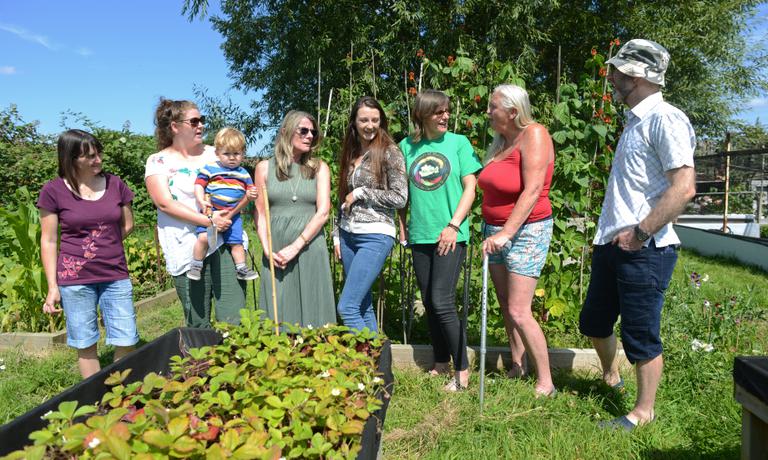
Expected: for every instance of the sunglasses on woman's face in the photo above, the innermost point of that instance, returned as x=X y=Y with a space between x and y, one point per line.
x=194 y=122
x=303 y=131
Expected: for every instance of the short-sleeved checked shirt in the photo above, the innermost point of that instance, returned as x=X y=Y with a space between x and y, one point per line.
x=657 y=138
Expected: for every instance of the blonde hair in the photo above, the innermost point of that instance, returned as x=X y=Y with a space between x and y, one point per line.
x=229 y=140
x=512 y=97
x=426 y=104
x=284 y=147
x=167 y=112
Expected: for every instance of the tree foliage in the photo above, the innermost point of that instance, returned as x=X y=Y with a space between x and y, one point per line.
x=274 y=46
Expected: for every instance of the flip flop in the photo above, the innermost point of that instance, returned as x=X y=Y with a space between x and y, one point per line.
x=619 y=385
x=619 y=423
x=552 y=393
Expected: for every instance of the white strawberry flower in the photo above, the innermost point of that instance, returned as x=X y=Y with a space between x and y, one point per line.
x=335 y=392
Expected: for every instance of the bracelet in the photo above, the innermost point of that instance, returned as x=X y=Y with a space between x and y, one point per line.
x=301 y=235
x=454 y=227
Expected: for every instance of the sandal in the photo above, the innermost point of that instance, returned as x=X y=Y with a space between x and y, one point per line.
x=454 y=386
x=439 y=370
x=516 y=372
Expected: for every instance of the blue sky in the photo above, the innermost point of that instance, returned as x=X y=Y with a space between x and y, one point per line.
x=113 y=60
x=109 y=60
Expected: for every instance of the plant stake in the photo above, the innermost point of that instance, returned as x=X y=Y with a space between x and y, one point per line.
x=271 y=259
x=483 y=318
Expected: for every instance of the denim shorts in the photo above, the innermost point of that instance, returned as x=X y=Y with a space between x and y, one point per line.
x=114 y=298
x=233 y=235
x=526 y=252
x=630 y=285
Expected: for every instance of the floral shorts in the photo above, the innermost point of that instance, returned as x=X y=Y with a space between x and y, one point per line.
x=526 y=252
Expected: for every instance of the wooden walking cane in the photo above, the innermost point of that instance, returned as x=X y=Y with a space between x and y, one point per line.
x=271 y=259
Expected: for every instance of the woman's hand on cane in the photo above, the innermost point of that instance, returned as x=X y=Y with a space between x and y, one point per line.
x=495 y=243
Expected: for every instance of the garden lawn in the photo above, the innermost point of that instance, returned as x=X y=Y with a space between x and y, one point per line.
x=714 y=301
x=697 y=416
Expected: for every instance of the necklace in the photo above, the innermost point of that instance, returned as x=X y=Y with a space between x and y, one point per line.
x=294 y=188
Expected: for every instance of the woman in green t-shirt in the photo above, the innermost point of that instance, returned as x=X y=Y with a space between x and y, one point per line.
x=441 y=169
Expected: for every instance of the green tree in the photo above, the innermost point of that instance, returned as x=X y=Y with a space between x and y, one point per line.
x=274 y=46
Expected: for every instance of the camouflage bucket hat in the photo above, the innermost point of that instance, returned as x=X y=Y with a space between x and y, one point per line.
x=642 y=58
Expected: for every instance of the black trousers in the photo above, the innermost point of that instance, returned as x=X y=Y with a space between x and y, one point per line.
x=437 y=277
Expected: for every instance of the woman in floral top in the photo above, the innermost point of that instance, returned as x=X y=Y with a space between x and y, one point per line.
x=93 y=211
x=170 y=177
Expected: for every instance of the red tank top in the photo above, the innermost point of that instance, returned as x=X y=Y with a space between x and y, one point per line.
x=502 y=183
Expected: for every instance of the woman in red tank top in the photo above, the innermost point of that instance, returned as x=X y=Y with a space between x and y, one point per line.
x=518 y=222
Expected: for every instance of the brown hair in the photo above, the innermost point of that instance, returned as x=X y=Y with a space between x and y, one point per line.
x=426 y=104
x=284 y=148
x=169 y=111
x=229 y=140
x=73 y=144
x=351 y=147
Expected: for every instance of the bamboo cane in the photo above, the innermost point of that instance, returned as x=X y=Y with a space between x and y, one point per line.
x=271 y=259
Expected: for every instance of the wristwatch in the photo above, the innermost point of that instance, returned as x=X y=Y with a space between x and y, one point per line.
x=641 y=235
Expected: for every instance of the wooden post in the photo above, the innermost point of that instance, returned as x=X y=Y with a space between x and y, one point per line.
x=271 y=259
x=351 y=58
x=760 y=192
x=319 y=60
x=559 y=61
x=373 y=72
x=727 y=186
x=407 y=101
x=328 y=112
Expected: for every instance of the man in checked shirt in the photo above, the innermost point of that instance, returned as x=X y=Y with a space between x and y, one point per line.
x=651 y=180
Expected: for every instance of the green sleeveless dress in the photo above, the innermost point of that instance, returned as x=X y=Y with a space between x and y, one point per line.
x=304 y=287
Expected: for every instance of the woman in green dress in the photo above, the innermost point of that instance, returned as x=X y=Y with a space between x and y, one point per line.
x=299 y=189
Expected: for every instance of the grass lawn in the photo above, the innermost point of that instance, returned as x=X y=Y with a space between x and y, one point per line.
x=697 y=416
x=722 y=304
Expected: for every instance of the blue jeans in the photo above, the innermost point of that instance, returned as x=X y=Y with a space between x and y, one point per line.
x=363 y=255
x=114 y=298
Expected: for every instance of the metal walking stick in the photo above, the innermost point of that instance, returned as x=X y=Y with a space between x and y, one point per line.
x=271 y=259
x=483 y=319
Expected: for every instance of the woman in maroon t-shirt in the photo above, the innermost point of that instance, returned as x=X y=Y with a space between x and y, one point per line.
x=93 y=211
x=518 y=222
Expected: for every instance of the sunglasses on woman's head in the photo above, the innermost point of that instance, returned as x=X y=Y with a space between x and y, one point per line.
x=194 y=122
x=303 y=131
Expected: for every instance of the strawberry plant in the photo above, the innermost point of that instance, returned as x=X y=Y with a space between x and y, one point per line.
x=305 y=393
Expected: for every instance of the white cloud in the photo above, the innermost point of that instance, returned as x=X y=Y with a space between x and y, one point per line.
x=29 y=36
x=44 y=41
x=7 y=70
x=758 y=102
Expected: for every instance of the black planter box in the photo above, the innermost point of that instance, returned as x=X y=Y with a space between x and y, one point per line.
x=155 y=357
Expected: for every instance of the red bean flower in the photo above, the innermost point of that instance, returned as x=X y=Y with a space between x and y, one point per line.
x=603 y=72
x=412 y=91
x=593 y=52
x=478 y=98
x=469 y=123
x=410 y=76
